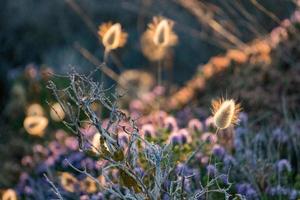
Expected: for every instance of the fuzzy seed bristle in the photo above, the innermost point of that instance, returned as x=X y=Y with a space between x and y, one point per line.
x=225 y=113
x=112 y=36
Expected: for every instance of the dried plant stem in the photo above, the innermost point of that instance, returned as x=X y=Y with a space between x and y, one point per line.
x=92 y=59
x=105 y=60
x=209 y=162
x=159 y=72
x=266 y=11
x=197 y=9
x=54 y=188
x=78 y=10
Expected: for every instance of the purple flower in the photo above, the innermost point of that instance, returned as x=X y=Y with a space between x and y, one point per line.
x=56 y=148
x=98 y=196
x=247 y=190
x=296 y=17
x=123 y=138
x=293 y=194
x=166 y=197
x=74 y=159
x=218 y=151
x=228 y=161
x=283 y=165
x=224 y=178
x=139 y=171
x=238 y=144
x=211 y=170
x=148 y=131
x=28 y=190
x=184 y=170
x=195 y=125
x=180 y=137
x=176 y=139
x=277 y=191
x=71 y=143
x=159 y=90
x=88 y=163
x=243 y=117
x=209 y=123
x=240 y=132
x=279 y=136
x=170 y=124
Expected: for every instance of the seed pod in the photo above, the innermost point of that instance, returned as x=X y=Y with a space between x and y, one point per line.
x=35 y=125
x=57 y=113
x=225 y=113
x=112 y=36
x=9 y=194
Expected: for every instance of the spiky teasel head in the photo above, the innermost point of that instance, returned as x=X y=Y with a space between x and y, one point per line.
x=225 y=112
x=112 y=36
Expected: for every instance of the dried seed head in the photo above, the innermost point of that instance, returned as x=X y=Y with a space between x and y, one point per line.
x=96 y=144
x=162 y=33
x=68 y=182
x=57 y=113
x=112 y=36
x=88 y=185
x=35 y=110
x=9 y=194
x=225 y=113
x=158 y=38
x=35 y=125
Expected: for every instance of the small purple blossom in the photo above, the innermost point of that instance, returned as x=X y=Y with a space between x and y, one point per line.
x=195 y=125
x=283 y=165
x=247 y=190
x=280 y=136
x=148 y=131
x=170 y=124
x=218 y=151
x=211 y=170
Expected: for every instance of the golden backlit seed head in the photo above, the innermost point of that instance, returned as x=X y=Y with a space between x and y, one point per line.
x=9 y=194
x=96 y=144
x=68 y=182
x=158 y=38
x=162 y=33
x=112 y=36
x=88 y=185
x=225 y=113
x=56 y=112
x=35 y=125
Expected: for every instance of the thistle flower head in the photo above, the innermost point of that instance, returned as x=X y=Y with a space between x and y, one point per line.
x=225 y=113
x=112 y=36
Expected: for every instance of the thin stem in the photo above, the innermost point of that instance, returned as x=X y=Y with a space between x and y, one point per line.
x=105 y=60
x=159 y=72
x=209 y=162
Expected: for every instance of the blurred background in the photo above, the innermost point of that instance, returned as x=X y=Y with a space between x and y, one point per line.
x=45 y=32
x=242 y=49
